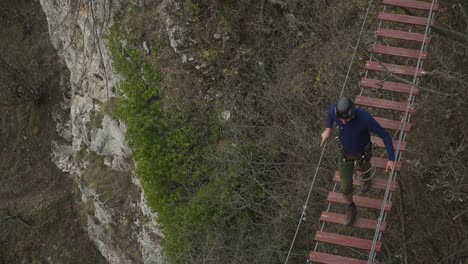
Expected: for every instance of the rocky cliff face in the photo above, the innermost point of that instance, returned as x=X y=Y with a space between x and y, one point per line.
x=97 y=155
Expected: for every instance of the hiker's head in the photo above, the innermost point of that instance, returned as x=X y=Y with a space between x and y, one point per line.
x=345 y=109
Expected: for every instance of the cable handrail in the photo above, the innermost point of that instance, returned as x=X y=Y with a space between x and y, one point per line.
x=304 y=207
x=355 y=49
x=406 y=118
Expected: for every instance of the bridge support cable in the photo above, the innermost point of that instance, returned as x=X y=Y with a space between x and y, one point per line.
x=304 y=208
x=350 y=66
x=375 y=42
x=322 y=226
x=402 y=136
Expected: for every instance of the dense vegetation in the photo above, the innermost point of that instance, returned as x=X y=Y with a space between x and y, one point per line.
x=182 y=157
x=232 y=190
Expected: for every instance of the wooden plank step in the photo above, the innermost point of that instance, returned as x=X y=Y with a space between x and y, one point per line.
x=401 y=52
x=376 y=183
x=412 y=4
x=379 y=143
x=393 y=68
x=347 y=241
x=381 y=163
x=392 y=124
x=360 y=201
x=365 y=223
x=389 y=86
x=406 y=19
x=324 y=258
x=382 y=103
x=403 y=35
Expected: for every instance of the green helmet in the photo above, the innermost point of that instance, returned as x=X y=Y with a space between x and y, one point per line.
x=345 y=108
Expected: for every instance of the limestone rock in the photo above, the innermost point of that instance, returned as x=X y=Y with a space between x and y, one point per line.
x=119 y=230
x=62 y=156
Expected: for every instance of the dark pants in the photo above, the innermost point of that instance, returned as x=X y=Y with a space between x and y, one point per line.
x=346 y=168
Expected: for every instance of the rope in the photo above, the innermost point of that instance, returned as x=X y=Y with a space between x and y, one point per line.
x=355 y=48
x=375 y=42
x=359 y=173
x=304 y=207
x=406 y=118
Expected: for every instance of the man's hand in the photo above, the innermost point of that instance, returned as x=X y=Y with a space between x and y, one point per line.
x=389 y=165
x=325 y=135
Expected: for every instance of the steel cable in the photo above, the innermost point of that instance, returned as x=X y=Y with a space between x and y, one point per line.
x=402 y=136
x=304 y=208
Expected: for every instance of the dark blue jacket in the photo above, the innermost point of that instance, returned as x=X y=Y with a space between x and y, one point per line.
x=355 y=135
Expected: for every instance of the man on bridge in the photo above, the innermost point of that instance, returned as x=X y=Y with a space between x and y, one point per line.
x=355 y=125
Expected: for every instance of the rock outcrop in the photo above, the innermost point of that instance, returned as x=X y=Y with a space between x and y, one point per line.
x=97 y=155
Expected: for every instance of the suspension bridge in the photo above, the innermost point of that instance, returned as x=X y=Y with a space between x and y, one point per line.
x=388 y=91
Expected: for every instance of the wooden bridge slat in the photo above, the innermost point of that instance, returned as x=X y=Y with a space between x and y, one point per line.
x=401 y=52
x=347 y=241
x=392 y=124
x=412 y=4
x=406 y=19
x=379 y=143
x=383 y=104
x=360 y=201
x=364 y=223
x=411 y=36
x=393 y=68
x=376 y=183
x=381 y=163
x=389 y=86
x=324 y=258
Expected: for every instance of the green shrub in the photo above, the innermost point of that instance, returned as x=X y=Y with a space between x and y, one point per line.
x=199 y=179
x=168 y=147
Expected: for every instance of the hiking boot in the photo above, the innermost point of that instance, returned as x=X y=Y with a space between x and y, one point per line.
x=350 y=215
x=365 y=186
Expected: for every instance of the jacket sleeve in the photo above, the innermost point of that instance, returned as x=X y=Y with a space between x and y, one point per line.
x=377 y=129
x=330 y=116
